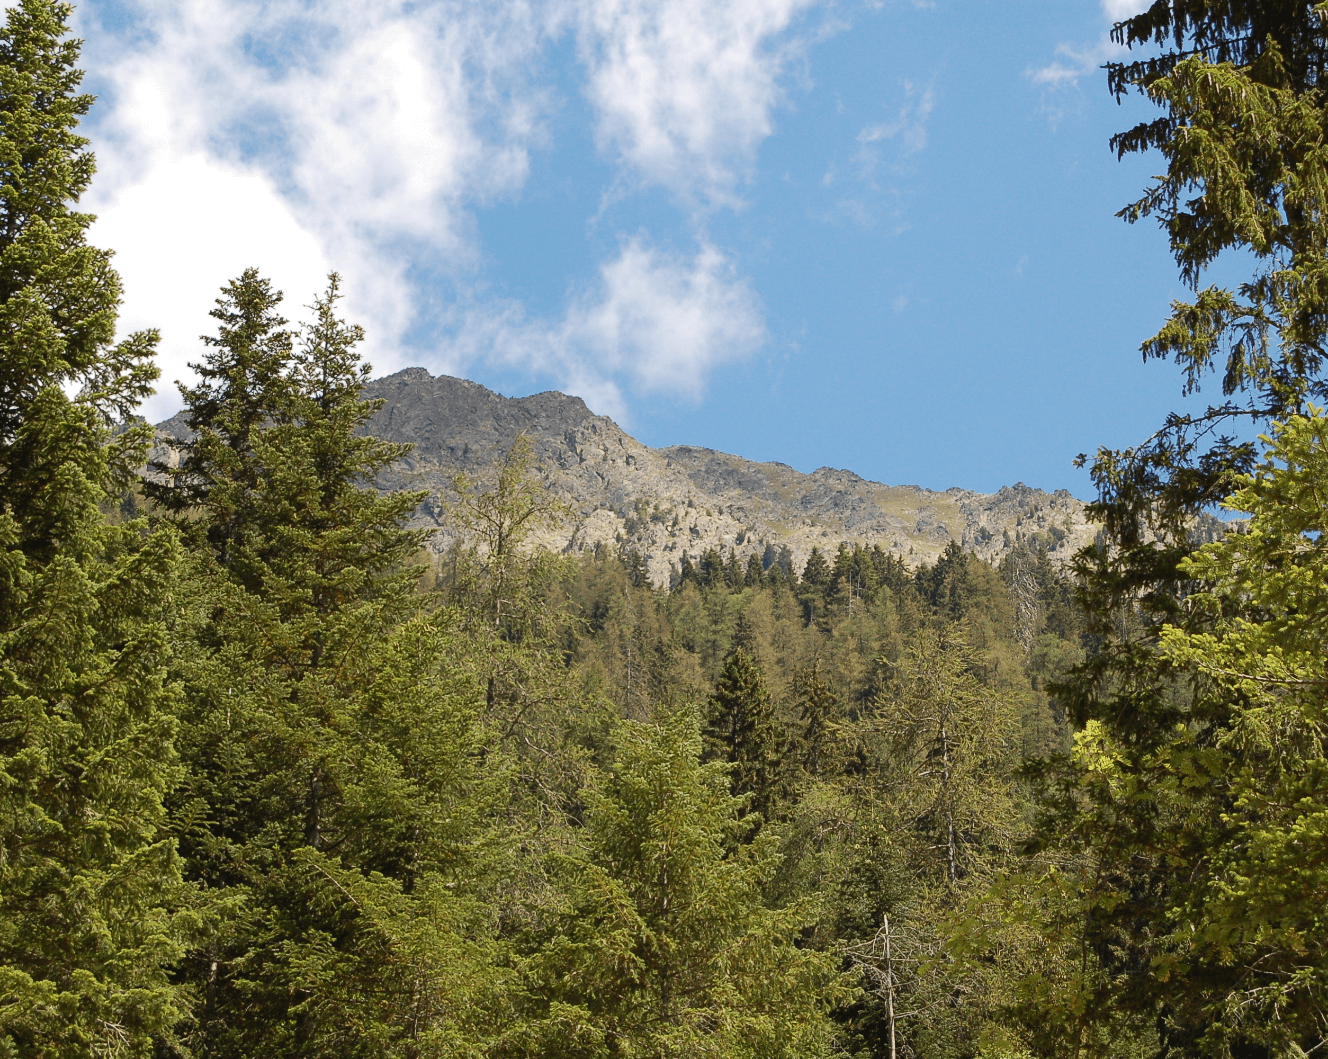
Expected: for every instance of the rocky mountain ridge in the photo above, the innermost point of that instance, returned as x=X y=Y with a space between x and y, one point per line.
x=684 y=500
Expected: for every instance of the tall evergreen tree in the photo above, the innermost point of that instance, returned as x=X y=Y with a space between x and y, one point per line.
x=742 y=728
x=665 y=948
x=87 y=873
x=1242 y=135
x=332 y=789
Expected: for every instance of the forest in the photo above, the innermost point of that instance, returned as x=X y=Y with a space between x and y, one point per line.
x=277 y=780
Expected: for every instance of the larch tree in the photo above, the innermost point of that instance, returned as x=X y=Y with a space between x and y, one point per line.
x=665 y=948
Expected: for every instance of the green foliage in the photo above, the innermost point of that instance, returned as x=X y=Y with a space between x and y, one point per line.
x=89 y=923
x=333 y=795
x=1243 y=782
x=859 y=698
x=1242 y=136
x=665 y=947
x=1169 y=797
x=742 y=730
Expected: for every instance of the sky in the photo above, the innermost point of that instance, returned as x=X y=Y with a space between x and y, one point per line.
x=870 y=235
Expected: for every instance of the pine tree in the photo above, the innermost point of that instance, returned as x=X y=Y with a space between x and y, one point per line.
x=88 y=876
x=244 y=389
x=1215 y=837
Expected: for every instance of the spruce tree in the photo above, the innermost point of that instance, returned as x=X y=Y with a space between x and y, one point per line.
x=664 y=947
x=88 y=876
x=819 y=749
x=816 y=571
x=742 y=729
x=1241 y=136
x=332 y=749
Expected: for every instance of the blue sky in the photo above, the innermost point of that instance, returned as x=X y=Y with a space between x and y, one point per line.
x=868 y=235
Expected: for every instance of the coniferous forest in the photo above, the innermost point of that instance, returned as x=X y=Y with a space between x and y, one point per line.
x=275 y=780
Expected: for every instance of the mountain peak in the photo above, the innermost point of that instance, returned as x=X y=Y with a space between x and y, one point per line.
x=685 y=499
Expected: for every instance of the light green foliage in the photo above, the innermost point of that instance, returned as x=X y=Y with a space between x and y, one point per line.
x=860 y=696
x=666 y=948
x=1242 y=136
x=1151 y=812
x=1257 y=899
x=949 y=746
x=507 y=595
x=87 y=874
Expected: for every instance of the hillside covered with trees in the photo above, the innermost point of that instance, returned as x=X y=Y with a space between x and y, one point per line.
x=278 y=780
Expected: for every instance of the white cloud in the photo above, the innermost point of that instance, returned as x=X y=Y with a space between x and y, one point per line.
x=1074 y=62
x=655 y=323
x=909 y=124
x=872 y=186
x=178 y=241
x=1120 y=10
x=685 y=89
x=300 y=137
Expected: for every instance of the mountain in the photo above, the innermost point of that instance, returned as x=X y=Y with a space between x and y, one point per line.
x=684 y=500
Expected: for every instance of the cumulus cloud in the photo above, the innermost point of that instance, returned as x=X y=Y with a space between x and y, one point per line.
x=299 y=138
x=302 y=137
x=654 y=323
x=685 y=90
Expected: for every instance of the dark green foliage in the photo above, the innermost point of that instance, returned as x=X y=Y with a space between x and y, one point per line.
x=741 y=729
x=1242 y=137
x=1162 y=775
x=88 y=877
x=816 y=571
x=754 y=576
x=331 y=751
x=820 y=714
x=861 y=807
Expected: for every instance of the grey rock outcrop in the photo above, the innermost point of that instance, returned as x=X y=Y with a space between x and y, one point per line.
x=684 y=500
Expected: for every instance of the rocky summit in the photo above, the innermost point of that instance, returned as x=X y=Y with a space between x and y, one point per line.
x=684 y=500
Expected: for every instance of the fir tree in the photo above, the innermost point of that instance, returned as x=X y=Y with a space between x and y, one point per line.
x=88 y=875
x=243 y=390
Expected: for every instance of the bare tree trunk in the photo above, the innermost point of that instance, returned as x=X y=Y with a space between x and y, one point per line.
x=889 y=984
x=952 y=854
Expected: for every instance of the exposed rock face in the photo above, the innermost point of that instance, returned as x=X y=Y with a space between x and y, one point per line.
x=684 y=500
